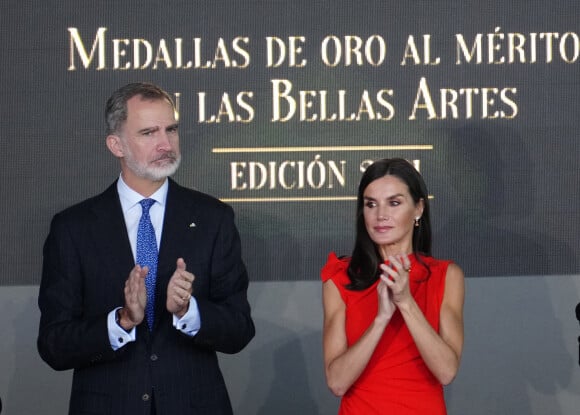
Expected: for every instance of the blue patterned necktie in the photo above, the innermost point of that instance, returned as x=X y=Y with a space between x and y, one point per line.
x=147 y=256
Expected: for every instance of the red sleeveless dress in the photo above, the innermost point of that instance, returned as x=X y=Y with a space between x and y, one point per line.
x=396 y=380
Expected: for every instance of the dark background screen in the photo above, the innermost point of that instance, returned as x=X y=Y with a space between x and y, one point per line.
x=283 y=104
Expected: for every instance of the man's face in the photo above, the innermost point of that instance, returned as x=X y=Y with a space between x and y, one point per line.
x=149 y=140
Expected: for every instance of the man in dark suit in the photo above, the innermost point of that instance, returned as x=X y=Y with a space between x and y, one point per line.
x=95 y=290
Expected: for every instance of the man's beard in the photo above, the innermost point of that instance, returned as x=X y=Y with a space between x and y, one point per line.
x=152 y=172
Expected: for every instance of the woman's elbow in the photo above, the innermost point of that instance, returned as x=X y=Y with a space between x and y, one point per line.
x=447 y=376
x=446 y=380
x=336 y=387
x=337 y=390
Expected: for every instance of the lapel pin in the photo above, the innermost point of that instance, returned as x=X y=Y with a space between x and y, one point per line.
x=192 y=225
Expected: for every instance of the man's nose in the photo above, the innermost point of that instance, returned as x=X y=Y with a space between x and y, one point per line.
x=164 y=141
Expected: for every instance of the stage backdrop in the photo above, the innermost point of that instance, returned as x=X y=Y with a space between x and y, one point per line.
x=283 y=104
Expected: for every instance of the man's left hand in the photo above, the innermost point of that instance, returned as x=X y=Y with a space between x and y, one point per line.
x=179 y=290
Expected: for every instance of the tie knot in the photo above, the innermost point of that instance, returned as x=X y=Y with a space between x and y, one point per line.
x=146 y=204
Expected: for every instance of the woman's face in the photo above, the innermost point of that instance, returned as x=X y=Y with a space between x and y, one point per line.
x=389 y=213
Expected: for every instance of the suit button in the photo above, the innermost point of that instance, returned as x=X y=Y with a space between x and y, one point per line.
x=153 y=357
x=145 y=397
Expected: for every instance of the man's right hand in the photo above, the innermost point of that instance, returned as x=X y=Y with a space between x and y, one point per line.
x=133 y=311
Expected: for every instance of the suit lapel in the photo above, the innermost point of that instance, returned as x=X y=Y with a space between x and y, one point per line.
x=110 y=233
x=175 y=238
x=177 y=223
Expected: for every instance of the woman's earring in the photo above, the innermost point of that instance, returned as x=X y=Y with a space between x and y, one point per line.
x=417 y=221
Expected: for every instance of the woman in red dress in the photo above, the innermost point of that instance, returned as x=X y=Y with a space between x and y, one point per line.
x=393 y=314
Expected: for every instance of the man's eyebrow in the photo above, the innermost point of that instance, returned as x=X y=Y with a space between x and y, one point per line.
x=148 y=130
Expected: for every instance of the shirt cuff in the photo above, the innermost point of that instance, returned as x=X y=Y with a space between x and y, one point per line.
x=190 y=323
x=118 y=336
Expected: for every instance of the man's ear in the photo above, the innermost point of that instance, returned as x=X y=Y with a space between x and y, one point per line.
x=114 y=145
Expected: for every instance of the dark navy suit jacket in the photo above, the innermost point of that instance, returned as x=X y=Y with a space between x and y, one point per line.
x=87 y=259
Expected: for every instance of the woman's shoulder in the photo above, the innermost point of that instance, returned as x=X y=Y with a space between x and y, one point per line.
x=443 y=268
x=335 y=268
x=434 y=269
x=433 y=262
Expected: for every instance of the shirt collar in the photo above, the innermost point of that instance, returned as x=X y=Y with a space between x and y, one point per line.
x=129 y=197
